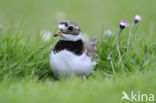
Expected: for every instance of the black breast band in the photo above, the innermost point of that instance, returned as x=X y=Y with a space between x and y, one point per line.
x=74 y=46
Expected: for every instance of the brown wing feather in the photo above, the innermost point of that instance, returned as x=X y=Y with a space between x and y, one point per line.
x=90 y=48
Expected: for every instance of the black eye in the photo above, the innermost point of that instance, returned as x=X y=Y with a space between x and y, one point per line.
x=70 y=28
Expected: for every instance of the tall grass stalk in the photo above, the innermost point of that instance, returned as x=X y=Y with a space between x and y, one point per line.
x=118 y=49
x=130 y=34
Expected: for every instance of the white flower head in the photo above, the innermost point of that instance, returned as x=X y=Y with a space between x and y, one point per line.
x=46 y=35
x=85 y=37
x=137 y=19
x=60 y=16
x=108 y=32
x=123 y=24
x=1 y=26
x=51 y=46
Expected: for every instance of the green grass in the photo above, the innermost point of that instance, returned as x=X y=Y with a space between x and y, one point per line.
x=93 y=90
x=24 y=56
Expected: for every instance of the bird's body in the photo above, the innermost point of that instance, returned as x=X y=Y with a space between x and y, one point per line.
x=65 y=63
x=70 y=54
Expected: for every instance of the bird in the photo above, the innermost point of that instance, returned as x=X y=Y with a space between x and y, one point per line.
x=72 y=55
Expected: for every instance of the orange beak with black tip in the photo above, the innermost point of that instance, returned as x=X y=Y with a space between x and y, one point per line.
x=58 y=34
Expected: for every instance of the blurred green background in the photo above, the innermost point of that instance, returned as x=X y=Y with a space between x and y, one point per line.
x=91 y=15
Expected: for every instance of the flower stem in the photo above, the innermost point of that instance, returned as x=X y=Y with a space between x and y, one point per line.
x=130 y=33
x=112 y=67
x=118 y=49
x=110 y=60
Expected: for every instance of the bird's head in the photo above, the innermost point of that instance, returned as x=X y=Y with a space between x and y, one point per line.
x=69 y=30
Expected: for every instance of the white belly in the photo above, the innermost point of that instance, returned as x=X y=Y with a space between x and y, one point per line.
x=65 y=63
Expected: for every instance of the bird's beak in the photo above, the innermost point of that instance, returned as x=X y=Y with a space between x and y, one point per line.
x=58 y=34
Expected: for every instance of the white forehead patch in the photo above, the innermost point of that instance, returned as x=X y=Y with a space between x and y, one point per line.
x=77 y=27
x=62 y=26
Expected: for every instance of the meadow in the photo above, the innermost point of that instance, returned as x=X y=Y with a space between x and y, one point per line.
x=25 y=74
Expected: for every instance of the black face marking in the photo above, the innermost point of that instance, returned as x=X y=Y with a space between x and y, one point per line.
x=70 y=28
x=76 y=47
x=65 y=23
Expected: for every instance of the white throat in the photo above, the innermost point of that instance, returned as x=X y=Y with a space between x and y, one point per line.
x=70 y=37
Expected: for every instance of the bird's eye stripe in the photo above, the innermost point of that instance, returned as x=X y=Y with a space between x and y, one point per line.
x=76 y=27
x=64 y=23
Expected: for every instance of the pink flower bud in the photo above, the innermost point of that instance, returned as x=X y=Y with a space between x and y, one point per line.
x=123 y=24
